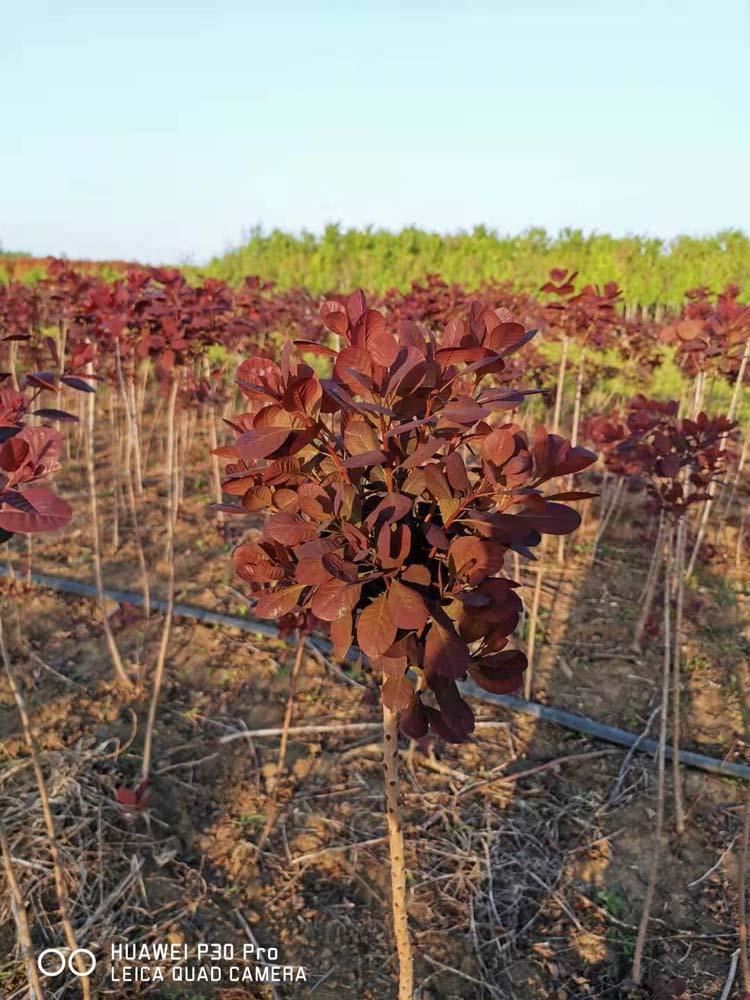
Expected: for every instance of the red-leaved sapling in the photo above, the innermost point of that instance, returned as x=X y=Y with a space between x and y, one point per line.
x=394 y=492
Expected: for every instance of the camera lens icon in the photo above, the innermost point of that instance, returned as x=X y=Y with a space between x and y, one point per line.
x=54 y=961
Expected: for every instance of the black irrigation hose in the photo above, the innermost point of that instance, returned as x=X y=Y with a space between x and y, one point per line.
x=600 y=731
x=81 y=589
x=546 y=713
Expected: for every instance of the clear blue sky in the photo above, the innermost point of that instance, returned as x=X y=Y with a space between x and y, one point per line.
x=163 y=130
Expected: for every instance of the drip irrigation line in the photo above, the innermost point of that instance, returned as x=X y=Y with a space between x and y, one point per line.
x=601 y=731
x=545 y=713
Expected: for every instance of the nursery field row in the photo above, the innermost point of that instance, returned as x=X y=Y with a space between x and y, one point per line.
x=539 y=491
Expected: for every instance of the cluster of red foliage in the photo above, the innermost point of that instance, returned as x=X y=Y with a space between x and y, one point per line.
x=676 y=459
x=586 y=315
x=154 y=314
x=710 y=333
x=17 y=267
x=393 y=500
x=30 y=455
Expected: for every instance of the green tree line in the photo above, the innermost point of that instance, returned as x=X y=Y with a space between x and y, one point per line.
x=649 y=270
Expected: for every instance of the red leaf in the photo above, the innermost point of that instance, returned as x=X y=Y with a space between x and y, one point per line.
x=423 y=453
x=305 y=394
x=14 y=452
x=356 y=305
x=278 y=603
x=286 y=500
x=314 y=501
x=41 y=511
x=445 y=654
x=335 y=598
x=393 y=507
x=334 y=316
x=46 y=380
x=353 y=368
x=341 y=636
x=453 y=355
x=571 y=495
x=437 y=483
x=73 y=382
x=313 y=348
x=455 y=721
x=261 y=442
x=474 y=558
x=418 y=574
x=500 y=673
x=498 y=447
x=463 y=411
x=360 y=437
x=397 y=693
x=366 y=460
x=455 y=469
x=340 y=568
x=133 y=800
x=393 y=545
x=576 y=460
x=555 y=519
x=289 y=529
x=376 y=630
x=414 y=721
x=311 y=570
x=256 y=498
x=60 y=415
x=407 y=608
x=382 y=345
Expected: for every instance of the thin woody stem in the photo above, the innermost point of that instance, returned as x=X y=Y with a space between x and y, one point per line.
x=398 y=864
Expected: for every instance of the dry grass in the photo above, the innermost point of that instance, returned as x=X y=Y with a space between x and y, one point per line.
x=104 y=857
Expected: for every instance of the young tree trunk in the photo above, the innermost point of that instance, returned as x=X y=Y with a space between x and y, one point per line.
x=289 y=710
x=171 y=473
x=528 y=677
x=22 y=922
x=648 y=903
x=114 y=652
x=398 y=862
x=650 y=589
x=560 y=386
x=708 y=504
x=213 y=444
x=740 y=541
x=739 y=382
x=573 y=439
x=80 y=427
x=141 y=391
x=607 y=516
x=114 y=459
x=13 y=364
x=130 y=488
x=29 y=556
x=182 y=459
x=61 y=887
x=737 y=475
x=679 y=574
x=152 y=431
x=700 y=383
x=136 y=443
x=742 y=915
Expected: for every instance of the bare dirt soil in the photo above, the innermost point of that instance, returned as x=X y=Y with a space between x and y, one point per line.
x=528 y=847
